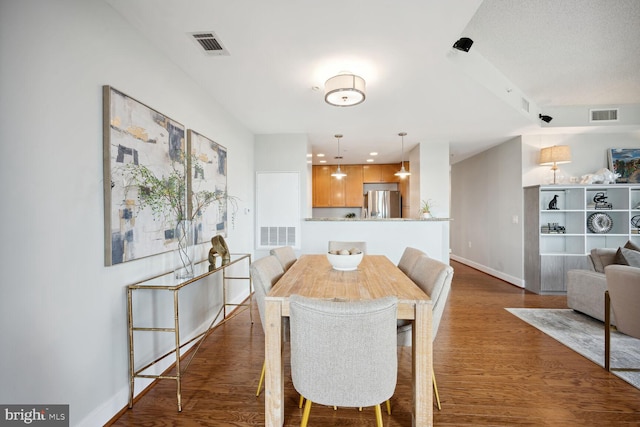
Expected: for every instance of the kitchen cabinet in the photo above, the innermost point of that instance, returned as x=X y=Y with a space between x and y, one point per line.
x=403 y=186
x=380 y=173
x=321 y=186
x=331 y=192
x=353 y=189
x=337 y=196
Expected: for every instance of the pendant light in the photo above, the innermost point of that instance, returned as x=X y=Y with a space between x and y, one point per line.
x=338 y=174
x=402 y=173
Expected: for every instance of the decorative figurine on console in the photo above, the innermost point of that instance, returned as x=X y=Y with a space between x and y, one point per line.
x=553 y=204
x=600 y=199
x=218 y=248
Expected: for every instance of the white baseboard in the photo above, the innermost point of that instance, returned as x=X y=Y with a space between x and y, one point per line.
x=495 y=273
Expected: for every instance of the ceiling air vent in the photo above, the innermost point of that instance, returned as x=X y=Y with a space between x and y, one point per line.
x=609 y=115
x=210 y=43
x=525 y=105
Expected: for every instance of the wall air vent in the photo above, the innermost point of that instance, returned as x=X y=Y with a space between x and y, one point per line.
x=605 y=115
x=210 y=43
x=277 y=236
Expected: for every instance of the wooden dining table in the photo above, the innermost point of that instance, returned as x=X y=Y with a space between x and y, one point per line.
x=376 y=277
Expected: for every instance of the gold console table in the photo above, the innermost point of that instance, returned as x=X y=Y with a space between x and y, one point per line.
x=167 y=282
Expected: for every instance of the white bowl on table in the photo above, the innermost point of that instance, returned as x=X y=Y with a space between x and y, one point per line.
x=345 y=262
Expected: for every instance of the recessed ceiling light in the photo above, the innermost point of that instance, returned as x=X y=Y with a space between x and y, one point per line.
x=309 y=155
x=320 y=155
x=323 y=161
x=373 y=153
x=370 y=160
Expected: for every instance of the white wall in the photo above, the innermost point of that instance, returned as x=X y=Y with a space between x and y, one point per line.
x=487 y=191
x=430 y=179
x=431 y=163
x=486 y=198
x=63 y=317
x=286 y=153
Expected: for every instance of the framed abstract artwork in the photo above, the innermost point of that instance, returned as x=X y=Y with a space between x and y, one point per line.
x=143 y=150
x=626 y=162
x=207 y=173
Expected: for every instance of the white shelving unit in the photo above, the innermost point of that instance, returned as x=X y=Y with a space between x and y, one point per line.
x=557 y=240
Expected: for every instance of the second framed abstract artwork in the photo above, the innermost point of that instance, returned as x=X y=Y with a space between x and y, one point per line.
x=208 y=173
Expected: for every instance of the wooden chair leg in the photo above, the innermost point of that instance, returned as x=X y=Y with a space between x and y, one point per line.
x=264 y=366
x=305 y=414
x=607 y=330
x=435 y=389
x=378 y=416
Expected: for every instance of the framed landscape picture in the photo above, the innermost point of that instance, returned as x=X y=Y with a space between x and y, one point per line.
x=626 y=162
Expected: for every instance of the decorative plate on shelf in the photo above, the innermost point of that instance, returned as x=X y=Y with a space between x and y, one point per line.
x=599 y=223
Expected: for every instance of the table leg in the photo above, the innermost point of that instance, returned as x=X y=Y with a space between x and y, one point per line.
x=422 y=366
x=131 y=358
x=176 y=319
x=274 y=376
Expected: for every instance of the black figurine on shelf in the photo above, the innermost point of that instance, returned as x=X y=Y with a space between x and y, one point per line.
x=600 y=199
x=553 y=204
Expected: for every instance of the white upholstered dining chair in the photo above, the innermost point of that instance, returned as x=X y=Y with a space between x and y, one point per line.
x=285 y=255
x=343 y=353
x=408 y=259
x=265 y=272
x=434 y=278
x=623 y=298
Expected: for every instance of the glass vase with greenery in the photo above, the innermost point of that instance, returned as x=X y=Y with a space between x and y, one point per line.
x=167 y=198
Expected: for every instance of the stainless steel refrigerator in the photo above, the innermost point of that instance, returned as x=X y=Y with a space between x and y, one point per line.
x=383 y=204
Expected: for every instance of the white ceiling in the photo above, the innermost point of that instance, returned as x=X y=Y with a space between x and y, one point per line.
x=553 y=53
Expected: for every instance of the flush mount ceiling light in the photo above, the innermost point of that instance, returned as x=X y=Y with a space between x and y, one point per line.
x=344 y=90
x=338 y=174
x=402 y=173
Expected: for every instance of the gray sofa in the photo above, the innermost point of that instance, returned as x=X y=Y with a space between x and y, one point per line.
x=585 y=288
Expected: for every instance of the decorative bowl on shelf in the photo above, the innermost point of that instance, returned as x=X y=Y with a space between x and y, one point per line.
x=345 y=261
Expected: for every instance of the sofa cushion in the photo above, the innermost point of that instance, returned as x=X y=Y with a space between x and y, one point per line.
x=619 y=258
x=630 y=245
x=601 y=257
x=626 y=256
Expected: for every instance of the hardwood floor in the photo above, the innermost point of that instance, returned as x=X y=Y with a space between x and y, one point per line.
x=492 y=370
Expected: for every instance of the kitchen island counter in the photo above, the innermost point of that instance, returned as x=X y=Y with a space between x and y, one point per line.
x=384 y=236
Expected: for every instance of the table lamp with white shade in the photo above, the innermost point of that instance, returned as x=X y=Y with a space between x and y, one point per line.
x=554 y=156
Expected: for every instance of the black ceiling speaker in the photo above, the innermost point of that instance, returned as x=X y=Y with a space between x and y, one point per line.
x=464 y=44
x=545 y=119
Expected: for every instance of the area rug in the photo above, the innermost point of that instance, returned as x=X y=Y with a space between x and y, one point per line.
x=585 y=336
